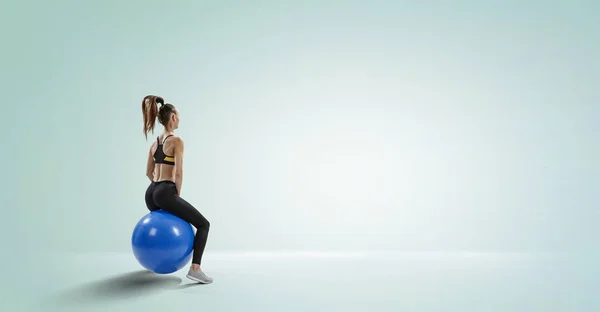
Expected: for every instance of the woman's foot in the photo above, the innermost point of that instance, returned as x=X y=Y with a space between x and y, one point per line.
x=197 y=275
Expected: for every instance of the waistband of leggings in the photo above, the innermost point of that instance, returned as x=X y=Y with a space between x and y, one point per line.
x=163 y=182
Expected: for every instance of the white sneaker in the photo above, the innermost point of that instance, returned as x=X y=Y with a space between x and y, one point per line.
x=199 y=276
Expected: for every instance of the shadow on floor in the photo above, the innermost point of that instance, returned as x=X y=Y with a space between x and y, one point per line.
x=120 y=287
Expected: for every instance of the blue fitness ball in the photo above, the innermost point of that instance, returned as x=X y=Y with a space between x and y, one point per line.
x=162 y=242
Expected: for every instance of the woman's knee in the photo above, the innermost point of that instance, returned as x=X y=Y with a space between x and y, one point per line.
x=205 y=224
x=200 y=223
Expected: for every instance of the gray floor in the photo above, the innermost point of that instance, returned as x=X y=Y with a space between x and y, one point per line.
x=442 y=281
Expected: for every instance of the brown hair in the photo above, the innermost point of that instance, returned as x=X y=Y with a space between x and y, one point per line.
x=151 y=111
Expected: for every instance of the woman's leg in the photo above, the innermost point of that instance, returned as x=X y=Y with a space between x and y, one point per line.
x=181 y=208
x=167 y=198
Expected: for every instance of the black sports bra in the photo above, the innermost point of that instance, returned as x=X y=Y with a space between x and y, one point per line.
x=159 y=155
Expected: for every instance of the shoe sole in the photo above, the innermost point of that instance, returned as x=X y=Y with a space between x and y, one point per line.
x=198 y=280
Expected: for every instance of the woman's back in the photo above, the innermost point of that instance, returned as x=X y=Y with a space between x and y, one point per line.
x=163 y=155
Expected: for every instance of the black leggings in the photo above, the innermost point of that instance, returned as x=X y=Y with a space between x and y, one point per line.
x=163 y=195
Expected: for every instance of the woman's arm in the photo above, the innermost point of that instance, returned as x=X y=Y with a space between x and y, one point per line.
x=150 y=165
x=178 y=164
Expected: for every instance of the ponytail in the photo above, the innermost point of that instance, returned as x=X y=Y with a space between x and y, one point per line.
x=150 y=112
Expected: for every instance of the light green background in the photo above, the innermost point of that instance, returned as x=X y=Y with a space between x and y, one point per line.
x=313 y=125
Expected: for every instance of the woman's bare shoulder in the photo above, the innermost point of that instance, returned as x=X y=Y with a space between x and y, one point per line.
x=177 y=140
x=153 y=145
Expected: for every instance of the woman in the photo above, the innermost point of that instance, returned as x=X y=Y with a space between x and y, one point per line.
x=165 y=171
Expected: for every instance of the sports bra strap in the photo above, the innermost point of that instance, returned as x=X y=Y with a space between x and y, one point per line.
x=170 y=135
x=163 y=142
